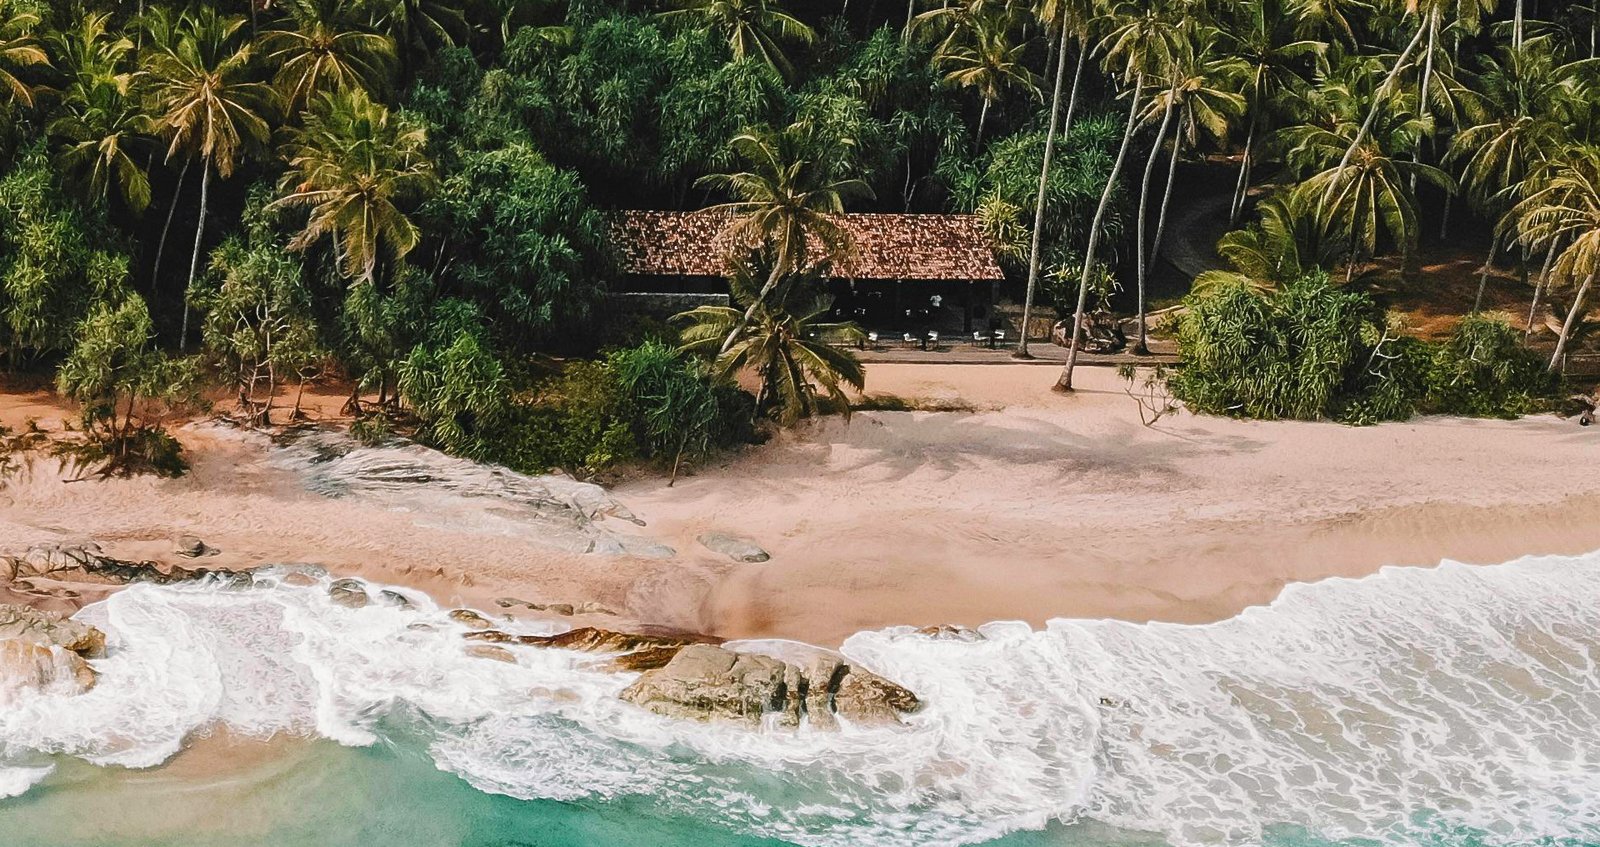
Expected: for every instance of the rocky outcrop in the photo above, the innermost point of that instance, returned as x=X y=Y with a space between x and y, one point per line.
x=190 y=546
x=711 y=683
x=470 y=619
x=588 y=607
x=42 y=651
x=86 y=563
x=734 y=547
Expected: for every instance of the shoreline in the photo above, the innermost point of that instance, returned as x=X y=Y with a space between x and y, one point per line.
x=1045 y=506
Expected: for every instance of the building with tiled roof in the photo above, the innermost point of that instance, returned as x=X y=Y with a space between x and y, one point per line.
x=904 y=269
x=951 y=248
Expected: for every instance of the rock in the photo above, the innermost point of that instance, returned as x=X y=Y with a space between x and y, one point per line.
x=470 y=619
x=26 y=624
x=592 y=608
x=734 y=547
x=192 y=547
x=349 y=593
x=951 y=632
x=821 y=679
x=85 y=562
x=394 y=599
x=562 y=609
x=490 y=651
x=42 y=651
x=647 y=659
x=299 y=579
x=711 y=683
x=706 y=682
x=25 y=666
x=864 y=698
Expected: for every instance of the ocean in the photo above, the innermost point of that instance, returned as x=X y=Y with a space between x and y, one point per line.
x=1447 y=706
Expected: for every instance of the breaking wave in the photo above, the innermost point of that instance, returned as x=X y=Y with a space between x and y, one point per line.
x=1391 y=708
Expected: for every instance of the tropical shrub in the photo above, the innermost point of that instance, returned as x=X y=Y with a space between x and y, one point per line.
x=1484 y=370
x=1314 y=351
x=111 y=371
x=1307 y=352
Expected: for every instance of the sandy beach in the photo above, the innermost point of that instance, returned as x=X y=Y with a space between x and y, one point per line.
x=1037 y=505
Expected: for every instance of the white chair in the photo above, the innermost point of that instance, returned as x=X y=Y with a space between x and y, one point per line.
x=999 y=338
x=933 y=340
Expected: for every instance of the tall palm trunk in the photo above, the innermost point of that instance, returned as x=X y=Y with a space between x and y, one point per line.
x=1516 y=28
x=1566 y=326
x=1422 y=85
x=1539 y=288
x=1072 y=99
x=1064 y=383
x=1038 y=202
x=1141 y=251
x=1483 y=274
x=1372 y=112
x=194 y=261
x=983 y=116
x=1241 y=189
x=161 y=246
x=1161 y=229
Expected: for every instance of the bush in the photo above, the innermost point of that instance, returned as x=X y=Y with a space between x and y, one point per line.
x=1483 y=370
x=642 y=402
x=1306 y=352
x=1312 y=351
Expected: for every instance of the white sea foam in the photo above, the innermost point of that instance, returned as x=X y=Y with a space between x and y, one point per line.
x=1380 y=708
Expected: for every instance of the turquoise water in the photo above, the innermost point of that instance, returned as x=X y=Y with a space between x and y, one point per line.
x=1443 y=707
x=319 y=794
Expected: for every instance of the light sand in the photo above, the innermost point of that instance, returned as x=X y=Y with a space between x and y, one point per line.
x=1048 y=506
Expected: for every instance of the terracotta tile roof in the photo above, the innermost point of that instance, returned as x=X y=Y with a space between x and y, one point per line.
x=911 y=247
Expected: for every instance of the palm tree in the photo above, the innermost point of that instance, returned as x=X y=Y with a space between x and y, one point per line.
x=354 y=164
x=100 y=129
x=1273 y=59
x=1071 y=19
x=211 y=108
x=1202 y=108
x=1275 y=250
x=323 y=51
x=786 y=345
x=1145 y=40
x=751 y=28
x=1368 y=191
x=790 y=195
x=19 y=49
x=981 y=56
x=417 y=27
x=1519 y=108
x=1562 y=213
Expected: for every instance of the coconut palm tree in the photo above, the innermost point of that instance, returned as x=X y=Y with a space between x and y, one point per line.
x=1278 y=248
x=790 y=195
x=322 y=50
x=752 y=28
x=787 y=345
x=1368 y=191
x=1517 y=111
x=19 y=49
x=1198 y=97
x=1145 y=40
x=982 y=56
x=211 y=107
x=1071 y=19
x=1562 y=212
x=101 y=127
x=354 y=164
x=1274 y=61
x=416 y=27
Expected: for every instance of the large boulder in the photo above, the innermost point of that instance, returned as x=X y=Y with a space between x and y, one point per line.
x=735 y=547
x=711 y=683
x=41 y=651
x=705 y=682
x=86 y=563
